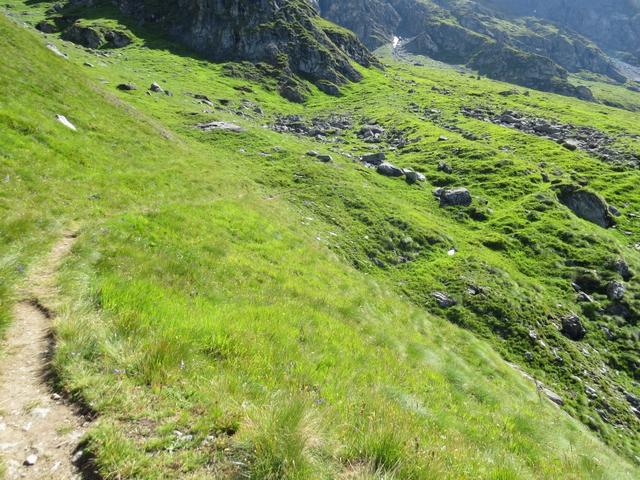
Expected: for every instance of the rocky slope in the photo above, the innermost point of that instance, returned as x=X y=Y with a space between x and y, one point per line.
x=288 y=35
x=456 y=31
x=614 y=25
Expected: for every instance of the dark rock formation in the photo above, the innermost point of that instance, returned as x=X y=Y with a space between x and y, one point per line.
x=508 y=64
x=572 y=327
x=95 y=36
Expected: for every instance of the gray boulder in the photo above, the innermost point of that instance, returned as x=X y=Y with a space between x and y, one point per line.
x=156 y=88
x=553 y=396
x=616 y=291
x=622 y=268
x=374 y=158
x=586 y=205
x=223 y=126
x=413 y=177
x=389 y=170
x=89 y=37
x=571 y=144
x=445 y=167
x=46 y=27
x=454 y=197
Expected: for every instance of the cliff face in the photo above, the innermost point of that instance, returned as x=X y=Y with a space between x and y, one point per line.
x=457 y=31
x=613 y=24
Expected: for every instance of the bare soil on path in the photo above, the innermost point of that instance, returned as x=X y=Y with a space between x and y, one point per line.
x=39 y=430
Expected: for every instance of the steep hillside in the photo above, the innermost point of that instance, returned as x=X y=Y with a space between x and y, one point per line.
x=614 y=25
x=254 y=293
x=460 y=31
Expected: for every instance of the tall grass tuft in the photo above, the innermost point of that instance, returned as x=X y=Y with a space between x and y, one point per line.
x=286 y=442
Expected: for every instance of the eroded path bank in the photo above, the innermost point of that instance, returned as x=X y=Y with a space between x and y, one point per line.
x=39 y=430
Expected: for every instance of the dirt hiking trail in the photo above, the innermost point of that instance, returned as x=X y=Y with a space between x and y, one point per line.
x=39 y=430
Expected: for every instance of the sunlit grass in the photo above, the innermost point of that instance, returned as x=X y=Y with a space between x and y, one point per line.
x=212 y=315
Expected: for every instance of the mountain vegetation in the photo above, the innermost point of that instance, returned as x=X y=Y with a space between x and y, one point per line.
x=295 y=258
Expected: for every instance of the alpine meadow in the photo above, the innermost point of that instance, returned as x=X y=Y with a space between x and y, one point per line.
x=320 y=239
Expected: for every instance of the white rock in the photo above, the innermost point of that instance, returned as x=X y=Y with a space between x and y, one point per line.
x=63 y=120
x=55 y=50
x=40 y=412
x=31 y=460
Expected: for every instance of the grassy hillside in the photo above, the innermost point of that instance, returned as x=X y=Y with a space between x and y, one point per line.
x=226 y=312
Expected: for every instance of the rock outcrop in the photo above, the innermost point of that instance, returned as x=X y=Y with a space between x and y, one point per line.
x=547 y=45
x=286 y=34
x=508 y=64
x=614 y=25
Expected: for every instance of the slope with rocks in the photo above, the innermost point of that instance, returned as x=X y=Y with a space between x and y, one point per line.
x=458 y=31
x=614 y=25
x=264 y=289
x=287 y=35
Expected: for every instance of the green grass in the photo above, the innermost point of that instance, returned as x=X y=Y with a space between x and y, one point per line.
x=230 y=296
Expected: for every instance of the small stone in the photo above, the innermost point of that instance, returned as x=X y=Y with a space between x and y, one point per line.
x=622 y=268
x=77 y=456
x=444 y=167
x=63 y=120
x=156 y=88
x=590 y=392
x=444 y=300
x=571 y=144
x=614 y=211
x=55 y=50
x=553 y=396
x=616 y=291
x=31 y=460
x=126 y=87
x=312 y=153
x=584 y=297
x=442 y=138
x=413 y=177
x=325 y=158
